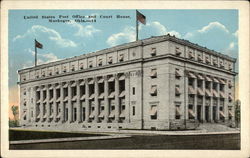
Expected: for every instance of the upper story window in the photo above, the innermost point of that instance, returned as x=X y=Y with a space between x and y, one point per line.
x=230 y=66
x=81 y=66
x=177 y=74
x=222 y=64
x=153 y=52
x=153 y=73
x=177 y=51
x=57 y=70
x=177 y=90
x=207 y=59
x=72 y=67
x=100 y=62
x=43 y=73
x=191 y=55
x=110 y=60
x=50 y=72
x=37 y=74
x=230 y=85
x=90 y=64
x=64 y=69
x=153 y=90
x=24 y=77
x=200 y=57
x=215 y=61
x=121 y=57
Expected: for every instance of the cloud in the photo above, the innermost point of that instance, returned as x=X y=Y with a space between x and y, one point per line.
x=42 y=58
x=83 y=31
x=158 y=29
x=212 y=25
x=236 y=33
x=42 y=31
x=231 y=45
x=127 y=35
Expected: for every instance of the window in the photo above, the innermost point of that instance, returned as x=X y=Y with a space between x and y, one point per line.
x=191 y=55
x=177 y=90
x=90 y=64
x=215 y=61
x=100 y=62
x=75 y=112
x=222 y=87
x=207 y=60
x=43 y=73
x=82 y=90
x=72 y=67
x=230 y=66
x=177 y=51
x=121 y=57
x=153 y=73
x=64 y=69
x=191 y=114
x=81 y=66
x=133 y=110
x=200 y=57
x=177 y=74
x=51 y=95
x=153 y=90
x=38 y=95
x=230 y=84
x=110 y=60
x=153 y=112
x=58 y=93
x=177 y=112
x=133 y=90
x=153 y=52
x=65 y=92
x=57 y=70
x=83 y=114
x=73 y=89
x=44 y=95
x=50 y=72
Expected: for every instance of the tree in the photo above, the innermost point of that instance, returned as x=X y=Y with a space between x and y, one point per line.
x=15 y=113
x=237 y=113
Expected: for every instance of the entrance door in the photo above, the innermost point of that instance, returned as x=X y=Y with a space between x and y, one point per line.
x=207 y=113
x=199 y=113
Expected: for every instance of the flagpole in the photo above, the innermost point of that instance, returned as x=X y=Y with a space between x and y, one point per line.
x=35 y=54
x=136 y=26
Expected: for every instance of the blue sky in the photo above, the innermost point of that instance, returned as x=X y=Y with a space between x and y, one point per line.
x=215 y=29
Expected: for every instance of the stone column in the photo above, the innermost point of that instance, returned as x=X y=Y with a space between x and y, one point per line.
x=41 y=104
x=87 y=100
x=47 y=103
x=203 y=102
x=61 y=104
x=35 y=104
x=106 y=101
x=186 y=96
x=116 y=99
x=127 y=103
x=211 y=105
x=54 y=103
x=78 y=103
x=226 y=103
x=195 y=98
x=70 y=117
x=217 y=115
x=96 y=112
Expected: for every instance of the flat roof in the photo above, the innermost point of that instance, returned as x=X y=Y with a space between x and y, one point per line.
x=151 y=40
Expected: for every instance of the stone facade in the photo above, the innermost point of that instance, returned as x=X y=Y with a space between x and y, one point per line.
x=157 y=83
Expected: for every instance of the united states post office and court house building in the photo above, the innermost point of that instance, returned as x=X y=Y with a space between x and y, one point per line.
x=159 y=83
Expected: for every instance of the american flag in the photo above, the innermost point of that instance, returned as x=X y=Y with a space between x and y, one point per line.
x=140 y=17
x=38 y=45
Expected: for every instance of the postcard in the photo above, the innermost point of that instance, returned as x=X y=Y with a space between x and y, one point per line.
x=124 y=78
